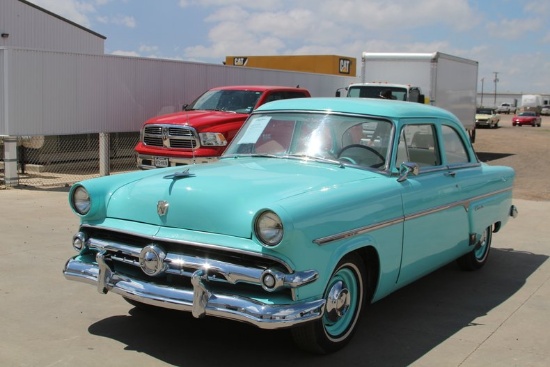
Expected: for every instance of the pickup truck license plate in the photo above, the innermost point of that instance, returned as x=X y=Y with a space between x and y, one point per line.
x=161 y=162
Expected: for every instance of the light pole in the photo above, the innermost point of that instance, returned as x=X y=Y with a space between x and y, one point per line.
x=496 y=81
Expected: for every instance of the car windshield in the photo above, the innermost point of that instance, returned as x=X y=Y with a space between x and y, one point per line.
x=484 y=111
x=333 y=138
x=239 y=101
x=527 y=114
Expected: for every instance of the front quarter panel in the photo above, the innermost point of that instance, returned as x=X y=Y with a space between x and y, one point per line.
x=328 y=224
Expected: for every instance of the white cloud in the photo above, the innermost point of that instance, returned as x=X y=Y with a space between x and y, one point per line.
x=148 y=49
x=513 y=28
x=313 y=26
x=126 y=21
x=261 y=4
x=76 y=11
x=81 y=11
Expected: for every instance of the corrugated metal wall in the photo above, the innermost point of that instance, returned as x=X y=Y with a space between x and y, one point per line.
x=57 y=93
x=32 y=27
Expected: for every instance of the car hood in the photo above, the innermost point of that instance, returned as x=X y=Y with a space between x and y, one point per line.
x=524 y=118
x=482 y=116
x=198 y=118
x=224 y=197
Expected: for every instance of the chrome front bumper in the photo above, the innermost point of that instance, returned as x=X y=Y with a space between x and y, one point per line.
x=200 y=301
x=147 y=161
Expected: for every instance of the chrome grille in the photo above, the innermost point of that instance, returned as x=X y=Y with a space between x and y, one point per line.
x=183 y=259
x=170 y=136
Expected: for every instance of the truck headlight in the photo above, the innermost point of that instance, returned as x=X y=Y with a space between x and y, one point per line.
x=269 y=228
x=80 y=200
x=213 y=139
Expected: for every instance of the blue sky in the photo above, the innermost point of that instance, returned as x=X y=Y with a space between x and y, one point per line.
x=508 y=37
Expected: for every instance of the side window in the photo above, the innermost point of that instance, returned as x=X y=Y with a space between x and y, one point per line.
x=417 y=144
x=455 y=151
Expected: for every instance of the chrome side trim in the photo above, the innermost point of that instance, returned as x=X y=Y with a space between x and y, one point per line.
x=200 y=300
x=358 y=231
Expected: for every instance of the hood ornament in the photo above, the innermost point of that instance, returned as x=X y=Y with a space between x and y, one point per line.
x=181 y=174
x=162 y=207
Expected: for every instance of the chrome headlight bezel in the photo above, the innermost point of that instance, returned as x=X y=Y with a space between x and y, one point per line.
x=80 y=200
x=268 y=228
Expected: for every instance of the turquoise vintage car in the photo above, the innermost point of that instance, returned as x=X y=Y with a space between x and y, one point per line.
x=318 y=207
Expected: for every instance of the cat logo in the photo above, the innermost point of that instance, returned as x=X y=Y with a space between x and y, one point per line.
x=345 y=66
x=240 y=61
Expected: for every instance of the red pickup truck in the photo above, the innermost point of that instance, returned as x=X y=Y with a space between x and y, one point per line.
x=202 y=130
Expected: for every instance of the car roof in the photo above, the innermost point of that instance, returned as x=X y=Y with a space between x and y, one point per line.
x=364 y=106
x=258 y=88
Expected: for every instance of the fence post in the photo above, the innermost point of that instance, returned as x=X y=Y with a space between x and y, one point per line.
x=11 y=177
x=104 y=155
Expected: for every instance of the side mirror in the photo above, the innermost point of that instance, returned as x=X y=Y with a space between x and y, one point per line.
x=183 y=107
x=406 y=169
x=338 y=93
x=421 y=98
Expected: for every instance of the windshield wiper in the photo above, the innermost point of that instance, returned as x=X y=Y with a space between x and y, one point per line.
x=314 y=158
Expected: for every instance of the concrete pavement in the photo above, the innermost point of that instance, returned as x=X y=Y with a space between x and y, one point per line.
x=498 y=316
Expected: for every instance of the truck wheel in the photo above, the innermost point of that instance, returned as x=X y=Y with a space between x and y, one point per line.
x=476 y=258
x=345 y=297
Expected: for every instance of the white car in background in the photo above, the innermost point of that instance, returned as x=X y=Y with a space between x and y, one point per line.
x=487 y=117
x=545 y=110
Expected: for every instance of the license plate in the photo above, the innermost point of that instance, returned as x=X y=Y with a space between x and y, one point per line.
x=161 y=162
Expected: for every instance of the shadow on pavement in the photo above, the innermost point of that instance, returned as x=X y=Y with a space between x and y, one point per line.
x=395 y=331
x=490 y=156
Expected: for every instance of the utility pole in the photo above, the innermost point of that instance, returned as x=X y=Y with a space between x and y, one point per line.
x=482 y=80
x=496 y=81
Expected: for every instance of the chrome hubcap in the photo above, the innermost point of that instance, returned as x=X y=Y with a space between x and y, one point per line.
x=338 y=301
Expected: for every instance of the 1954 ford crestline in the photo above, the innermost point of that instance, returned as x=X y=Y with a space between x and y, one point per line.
x=318 y=207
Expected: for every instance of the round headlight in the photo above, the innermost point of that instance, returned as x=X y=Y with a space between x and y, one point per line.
x=81 y=200
x=269 y=228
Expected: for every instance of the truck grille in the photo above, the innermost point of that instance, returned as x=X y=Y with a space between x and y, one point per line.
x=169 y=136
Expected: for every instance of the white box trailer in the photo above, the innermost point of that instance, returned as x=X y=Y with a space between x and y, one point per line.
x=445 y=81
x=531 y=102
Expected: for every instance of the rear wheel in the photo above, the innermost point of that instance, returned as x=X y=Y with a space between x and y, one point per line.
x=476 y=258
x=345 y=297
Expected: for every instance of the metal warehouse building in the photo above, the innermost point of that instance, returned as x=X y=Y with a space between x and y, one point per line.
x=64 y=103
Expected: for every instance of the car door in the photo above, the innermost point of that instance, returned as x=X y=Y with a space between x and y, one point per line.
x=435 y=219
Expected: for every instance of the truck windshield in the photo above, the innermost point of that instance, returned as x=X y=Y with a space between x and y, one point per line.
x=377 y=91
x=356 y=141
x=239 y=101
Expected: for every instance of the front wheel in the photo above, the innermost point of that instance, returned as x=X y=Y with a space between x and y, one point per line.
x=345 y=296
x=476 y=258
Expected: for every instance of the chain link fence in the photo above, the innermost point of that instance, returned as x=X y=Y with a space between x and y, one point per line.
x=54 y=161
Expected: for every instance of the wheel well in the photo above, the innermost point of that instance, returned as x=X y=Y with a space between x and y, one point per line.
x=372 y=264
